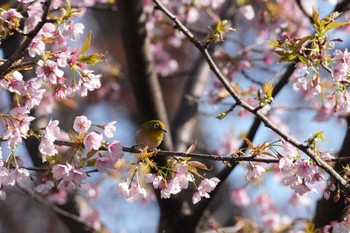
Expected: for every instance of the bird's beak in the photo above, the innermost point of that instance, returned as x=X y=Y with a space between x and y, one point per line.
x=164 y=131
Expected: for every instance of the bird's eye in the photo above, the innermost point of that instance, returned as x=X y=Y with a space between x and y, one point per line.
x=156 y=126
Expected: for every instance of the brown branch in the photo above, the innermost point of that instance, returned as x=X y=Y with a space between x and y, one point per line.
x=309 y=152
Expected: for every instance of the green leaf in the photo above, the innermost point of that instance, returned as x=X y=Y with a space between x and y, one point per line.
x=92 y=59
x=86 y=44
x=274 y=43
x=303 y=59
x=315 y=18
x=335 y=25
x=303 y=40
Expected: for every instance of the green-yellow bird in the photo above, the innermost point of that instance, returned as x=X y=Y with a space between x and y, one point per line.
x=150 y=134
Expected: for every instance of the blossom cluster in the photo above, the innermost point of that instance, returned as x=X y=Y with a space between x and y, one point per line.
x=177 y=177
x=88 y=137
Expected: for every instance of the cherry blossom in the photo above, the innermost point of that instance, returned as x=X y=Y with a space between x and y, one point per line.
x=46 y=146
x=131 y=192
x=204 y=188
x=109 y=129
x=255 y=171
x=45 y=187
x=81 y=124
x=115 y=150
x=73 y=30
x=49 y=71
x=92 y=141
x=68 y=176
x=239 y=197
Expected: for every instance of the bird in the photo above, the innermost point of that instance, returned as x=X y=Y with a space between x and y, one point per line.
x=150 y=134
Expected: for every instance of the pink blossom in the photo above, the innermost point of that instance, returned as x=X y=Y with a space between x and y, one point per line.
x=34 y=12
x=165 y=65
x=275 y=221
x=59 y=38
x=37 y=47
x=33 y=93
x=66 y=185
x=21 y=119
x=255 y=171
x=59 y=170
x=204 y=188
x=301 y=83
x=291 y=152
x=154 y=179
x=341 y=227
x=13 y=136
x=115 y=150
x=247 y=11
x=183 y=176
x=304 y=169
x=49 y=71
x=131 y=192
x=73 y=30
x=103 y=163
x=81 y=124
x=92 y=141
x=47 y=147
x=91 y=81
x=11 y=15
x=45 y=187
x=110 y=129
x=48 y=30
x=59 y=197
x=4 y=176
x=339 y=72
x=14 y=83
x=46 y=105
x=172 y=187
x=57 y=3
x=18 y=174
x=69 y=176
x=297 y=184
x=239 y=197
x=324 y=113
x=52 y=129
x=342 y=57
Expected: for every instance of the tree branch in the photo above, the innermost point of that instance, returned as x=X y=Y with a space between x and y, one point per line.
x=342 y=182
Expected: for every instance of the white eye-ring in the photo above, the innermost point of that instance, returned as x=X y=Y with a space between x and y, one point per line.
x=156 y=126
